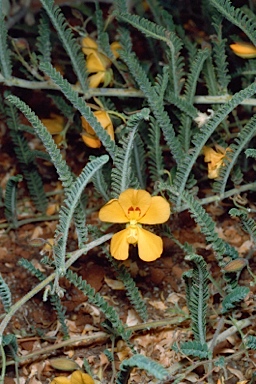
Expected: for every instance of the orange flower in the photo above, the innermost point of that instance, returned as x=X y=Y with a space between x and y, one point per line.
x=136 y=207
x=89 y=137
x=55 y=125
x=77 y=377
x=97 y=64
x=244 y=50
x=215 y=159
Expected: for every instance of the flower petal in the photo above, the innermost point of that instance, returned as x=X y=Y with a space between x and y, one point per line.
x=115 y=46
x=112 y=212
x=136 y=198
x=60 y=380
x=244 y=50
x=158 y=212
x=88 y=45
x=150 y=246
x=96 y=79
x=119 y=247
x=91 y=141
x=54 y=124
x=97 y=62
x=79 y=377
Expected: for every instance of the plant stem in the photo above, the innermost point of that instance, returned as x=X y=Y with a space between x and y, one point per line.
x=114 y=92
x=73 y=256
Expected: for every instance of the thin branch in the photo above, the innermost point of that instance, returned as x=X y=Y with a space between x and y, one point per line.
x=113 y=92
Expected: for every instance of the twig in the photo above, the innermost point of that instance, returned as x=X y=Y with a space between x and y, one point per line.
x=73 y=256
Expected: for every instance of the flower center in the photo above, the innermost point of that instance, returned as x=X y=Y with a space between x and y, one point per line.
x=132 y=237
x=133 y=214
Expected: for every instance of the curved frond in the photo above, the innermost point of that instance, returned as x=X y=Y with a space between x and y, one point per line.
x=141 y=362
x=43 y=40
x=203 y=135
x=139 y=161
x=147 y=27
x=10 y=209
x=5 y=54
x=68 y=40
x=197 y=295
x=155 y=155
x=153 y=100
x=61 y=167
x=79 y=103
x=237 y=17
x=190 y=90
x=192 y=348
x=241 y=141
x=248 y=223
x=25 y=157
x=234 y=297
x=123 y=176
x=5 y=294
x=68 y=208
x=97 y=300
x=207 y=227
x=54 y=299
x=220 y=57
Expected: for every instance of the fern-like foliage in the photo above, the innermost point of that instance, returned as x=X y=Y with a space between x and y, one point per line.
x=43 y=38
x=26 y=159
x=201 y=137
x=97 y=300
x=5 y=55
x=192 y=348
x=80 y=105
x=123 y=177
x=100 y=183
x=63 y=106
x=5 y=294
x=174 y=44
x=161 y=83
x=248 y=223
x=220 y=57
x=234 y=297
x=197 y=295
x=207 y=227
x=147 y=27
x=10 y=200
x=139 y=160
x=241 y=141
x=54 y=299
x=210 y=77
x=190 y=90
x=251 y=342
x=67 y=210
x=61 y=166
x=153 y=99
x=251 y=152
x=237 y=17
x=102 y=37
x=132 y=290
x=141 y=362
x=68 y=40
x=155 y=156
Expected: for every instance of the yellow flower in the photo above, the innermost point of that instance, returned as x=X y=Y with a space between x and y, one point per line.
x=55 y=125
x=115 y=46
x=136 y=207
x=89 y=137
x=215 y=159
x=97 y=64
x=244 y=50
x=77 y=377
x=89 y=45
